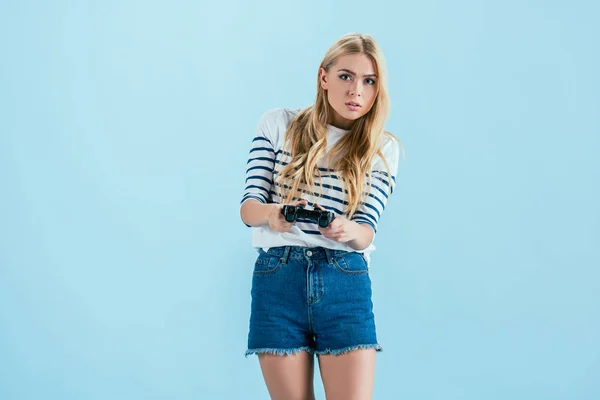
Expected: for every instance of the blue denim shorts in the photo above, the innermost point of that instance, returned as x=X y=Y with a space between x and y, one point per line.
x=312 y=299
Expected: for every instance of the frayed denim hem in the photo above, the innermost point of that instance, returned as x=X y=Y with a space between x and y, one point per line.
x=344 y=350
x=279 y=352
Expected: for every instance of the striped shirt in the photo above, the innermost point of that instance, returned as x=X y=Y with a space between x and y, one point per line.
x=267 y=157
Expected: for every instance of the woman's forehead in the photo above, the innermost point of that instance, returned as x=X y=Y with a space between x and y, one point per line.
x=358 y=64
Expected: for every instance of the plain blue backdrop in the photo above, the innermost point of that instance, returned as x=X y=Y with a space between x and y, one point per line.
x=124 y=131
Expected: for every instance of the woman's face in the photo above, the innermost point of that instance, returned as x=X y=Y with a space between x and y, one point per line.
x=351 y=85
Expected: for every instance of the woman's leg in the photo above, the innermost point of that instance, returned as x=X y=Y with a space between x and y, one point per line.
x=344 y=326
x=288 y=377
x=348 y=376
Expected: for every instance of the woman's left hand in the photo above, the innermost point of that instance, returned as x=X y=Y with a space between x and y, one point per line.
x=340 y=229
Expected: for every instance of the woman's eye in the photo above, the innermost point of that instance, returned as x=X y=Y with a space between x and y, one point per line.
x=370 y=81
x=344 y=76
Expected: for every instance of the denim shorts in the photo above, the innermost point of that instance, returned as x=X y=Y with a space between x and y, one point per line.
x=312 y=299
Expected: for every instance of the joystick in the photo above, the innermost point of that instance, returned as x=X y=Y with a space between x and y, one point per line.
x=321 y=217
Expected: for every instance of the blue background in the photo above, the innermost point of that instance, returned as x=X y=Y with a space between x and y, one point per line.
x=124 y=131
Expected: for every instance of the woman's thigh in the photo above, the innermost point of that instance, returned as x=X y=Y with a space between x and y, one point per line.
x=348 y=376
x=288 y=377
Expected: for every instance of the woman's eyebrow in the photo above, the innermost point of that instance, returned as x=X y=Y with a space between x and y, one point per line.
x=354 y=73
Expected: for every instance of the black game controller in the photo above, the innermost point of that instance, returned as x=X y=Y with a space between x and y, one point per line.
x=322 y=217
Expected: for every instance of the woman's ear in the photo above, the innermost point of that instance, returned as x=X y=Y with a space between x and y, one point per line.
x=323 y=78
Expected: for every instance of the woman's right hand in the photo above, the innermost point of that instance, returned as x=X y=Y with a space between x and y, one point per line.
x=277 y=221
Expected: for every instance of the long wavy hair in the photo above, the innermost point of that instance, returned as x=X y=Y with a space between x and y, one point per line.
x=353 y=155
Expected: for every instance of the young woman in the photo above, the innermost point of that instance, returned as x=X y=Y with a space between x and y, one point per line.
x=311 y=290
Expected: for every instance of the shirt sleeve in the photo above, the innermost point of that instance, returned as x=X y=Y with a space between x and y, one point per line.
x=261 y=162
x=382 y=186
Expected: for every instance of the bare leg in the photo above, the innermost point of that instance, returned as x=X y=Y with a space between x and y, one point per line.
x=349 y=376
x=289 y=377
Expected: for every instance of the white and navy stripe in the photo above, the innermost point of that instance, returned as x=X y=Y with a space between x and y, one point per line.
x=259 y=174
x=264 y=163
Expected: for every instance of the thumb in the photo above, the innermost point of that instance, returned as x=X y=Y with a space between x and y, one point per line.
x=303 y=202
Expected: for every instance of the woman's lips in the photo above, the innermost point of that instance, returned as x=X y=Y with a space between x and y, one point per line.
x=352 y=106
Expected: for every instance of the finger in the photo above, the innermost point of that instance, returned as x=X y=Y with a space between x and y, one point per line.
x=319 y=207
x=335 y=223
x=325 y=232
x=280 y=223
x=333 y=235
x=281 y=218
x=340 y=236
x=328 y=229
x=335 y=238
x=335 y=226
x=284 y=229
x=303 y=202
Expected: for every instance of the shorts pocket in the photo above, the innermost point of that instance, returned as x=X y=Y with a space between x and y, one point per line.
x=266 y=263
x=351 y=263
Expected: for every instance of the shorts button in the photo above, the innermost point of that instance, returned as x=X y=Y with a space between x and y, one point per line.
x=309 y=253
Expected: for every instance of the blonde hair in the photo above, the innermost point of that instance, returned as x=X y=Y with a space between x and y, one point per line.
x=352 y=156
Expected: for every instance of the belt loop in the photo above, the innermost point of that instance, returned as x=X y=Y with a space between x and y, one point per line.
x=286 y=255
x=328 y=255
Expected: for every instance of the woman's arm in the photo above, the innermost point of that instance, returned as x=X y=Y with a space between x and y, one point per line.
x=364 y=236
x=255 y=213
